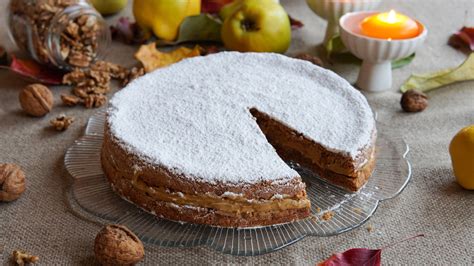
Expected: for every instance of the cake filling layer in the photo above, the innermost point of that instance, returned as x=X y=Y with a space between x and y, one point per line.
x=232 y=204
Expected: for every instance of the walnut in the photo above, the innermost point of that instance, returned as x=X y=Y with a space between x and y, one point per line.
x=12 y=182
x=310 y=58
x=74 y=77
x=70 y=100
x=36 y=100
x=62 y=122
x=79 y=59
x=414 y=101
x=94 y=100
x=22 y=258
x=117 y=245
x=134 y=73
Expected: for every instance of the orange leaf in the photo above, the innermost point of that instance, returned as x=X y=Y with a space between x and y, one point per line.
x=152 y=58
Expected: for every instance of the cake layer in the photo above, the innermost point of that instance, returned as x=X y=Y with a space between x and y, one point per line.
x=209 y=206
x=129 y=165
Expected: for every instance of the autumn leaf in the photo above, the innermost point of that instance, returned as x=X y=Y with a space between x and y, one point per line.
x=360 y=256
x=32 y=70
x=463 y=39
x=213 y=6
x=3 y=56
x=431 y=81
x=203 y=27
x=128 y=32
x=152 y=58
x=295 y=23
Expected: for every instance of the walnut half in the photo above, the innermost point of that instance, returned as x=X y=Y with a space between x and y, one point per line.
x=117 y=245
x=22 y=258
x=12 y=182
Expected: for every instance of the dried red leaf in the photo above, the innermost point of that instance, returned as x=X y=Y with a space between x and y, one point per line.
x=3 y=56
x=32 y=70
x=354 y=256
x=359 y=256
x=463 y=39
x=209 y=49
x=213 y=6
x=128 y=32
x=295 y=24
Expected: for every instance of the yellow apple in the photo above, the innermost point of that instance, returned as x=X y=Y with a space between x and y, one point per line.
x=163 y=17
x=461 y=150
x=107 y=7
x=256 y=26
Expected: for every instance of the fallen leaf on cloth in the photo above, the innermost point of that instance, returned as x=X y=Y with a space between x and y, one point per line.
x=463 y=39
x=431 y=81
x=359 y=256
x=128 y=32
x=32 y=70
x=295 y=23
x=213 y=6
x=336 y=49
x=335 y=46
x=202 y=27
x=3 y=56
x=152 y=58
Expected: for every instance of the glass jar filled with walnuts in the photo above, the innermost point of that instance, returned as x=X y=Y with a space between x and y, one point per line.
x=62 y=33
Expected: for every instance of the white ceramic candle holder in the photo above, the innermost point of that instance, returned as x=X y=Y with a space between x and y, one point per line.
x=377 y=54
x=333 y=10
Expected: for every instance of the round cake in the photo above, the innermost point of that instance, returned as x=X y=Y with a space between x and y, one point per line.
x=205 y=140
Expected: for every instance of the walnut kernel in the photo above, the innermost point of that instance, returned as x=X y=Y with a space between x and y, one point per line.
x=94 y=100
x=70 y=100
x=22 y=258
x=36 y=99
x=414 y=101
x=117 y=245
x=62 y=122
x=12 y=182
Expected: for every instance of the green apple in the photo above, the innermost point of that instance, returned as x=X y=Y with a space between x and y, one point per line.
x=108 y=7
x=256 y=26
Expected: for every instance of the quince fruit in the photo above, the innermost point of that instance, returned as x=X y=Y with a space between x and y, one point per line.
x=163 y=17
x=462 y=157
x=255 y=26
x=107 y=7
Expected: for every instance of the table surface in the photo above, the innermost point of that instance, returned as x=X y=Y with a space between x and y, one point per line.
x=433 y=204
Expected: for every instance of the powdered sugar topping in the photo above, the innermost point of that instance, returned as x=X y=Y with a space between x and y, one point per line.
x=193 y=117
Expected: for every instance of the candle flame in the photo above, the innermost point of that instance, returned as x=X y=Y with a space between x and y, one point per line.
x=391 y=17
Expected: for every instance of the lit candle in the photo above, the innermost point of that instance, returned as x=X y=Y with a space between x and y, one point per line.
x=391 y=26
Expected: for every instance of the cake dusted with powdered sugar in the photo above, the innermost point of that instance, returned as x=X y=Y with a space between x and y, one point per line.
x=206 y=140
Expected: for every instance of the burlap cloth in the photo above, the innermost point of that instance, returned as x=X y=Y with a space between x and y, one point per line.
x=432 y=203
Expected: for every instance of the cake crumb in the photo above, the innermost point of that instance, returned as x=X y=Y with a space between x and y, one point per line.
x=370 y=228
x=357 y=210
x=314 y=218
x=328 y=215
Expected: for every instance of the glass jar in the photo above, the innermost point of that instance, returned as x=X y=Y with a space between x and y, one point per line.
x=62 y=33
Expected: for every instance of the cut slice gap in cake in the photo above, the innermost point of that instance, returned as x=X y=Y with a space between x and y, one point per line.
x=337 y=168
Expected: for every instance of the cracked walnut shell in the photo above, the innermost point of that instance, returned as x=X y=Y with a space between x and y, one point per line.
x=12 y=182
x=36 y=100
x=117 y=245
